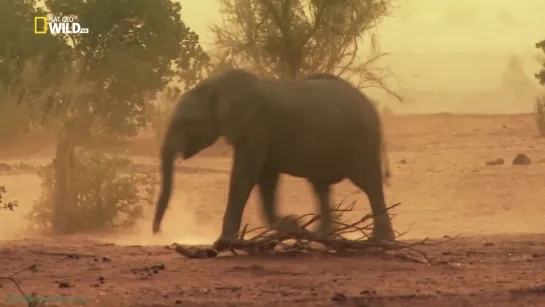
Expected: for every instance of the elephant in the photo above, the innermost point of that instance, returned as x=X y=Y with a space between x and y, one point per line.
x=320 y=128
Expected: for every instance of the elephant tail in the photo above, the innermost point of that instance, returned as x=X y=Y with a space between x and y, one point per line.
x=168 y=156
x=385 y=161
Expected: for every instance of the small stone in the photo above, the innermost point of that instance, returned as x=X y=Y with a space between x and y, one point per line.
x=499 y=161
x=368 y=292
x=158 y=267
x=339 y=297
x=521 y=159
x=64 y=284
x=178 y=302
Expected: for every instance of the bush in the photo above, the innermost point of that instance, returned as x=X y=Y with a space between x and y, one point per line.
x=540 y=115
x=108 y=194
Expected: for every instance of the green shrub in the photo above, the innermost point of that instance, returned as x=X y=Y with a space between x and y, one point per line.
x=108 y=194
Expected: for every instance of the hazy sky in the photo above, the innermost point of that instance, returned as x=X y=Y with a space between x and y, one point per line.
x=434 y=25
x=431 y=28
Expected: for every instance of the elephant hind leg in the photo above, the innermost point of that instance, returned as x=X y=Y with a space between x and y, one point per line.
x=370 y=181
x=267 y=183
x=323 y=195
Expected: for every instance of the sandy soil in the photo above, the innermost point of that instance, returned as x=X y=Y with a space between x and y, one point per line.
x=440 y=176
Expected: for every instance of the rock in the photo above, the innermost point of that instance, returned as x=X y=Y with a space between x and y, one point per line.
x=499 y=161
x=402 y=161
x=541 y=161
x=5 y=167
x=64 y=284
x=339 y=297
x=521 y=159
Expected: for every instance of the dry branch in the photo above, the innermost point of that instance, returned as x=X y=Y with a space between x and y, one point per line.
x=6 y=205
x=291 y=235
x=31 y=300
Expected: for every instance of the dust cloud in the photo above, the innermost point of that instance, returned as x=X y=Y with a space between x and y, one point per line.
x=179 y=224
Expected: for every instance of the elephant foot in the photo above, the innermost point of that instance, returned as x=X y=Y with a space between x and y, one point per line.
x=288 y=224
x=325 y=230
x=382 y=235
x=222 y=243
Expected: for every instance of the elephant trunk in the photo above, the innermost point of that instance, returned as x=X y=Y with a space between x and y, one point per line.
x=167 y=164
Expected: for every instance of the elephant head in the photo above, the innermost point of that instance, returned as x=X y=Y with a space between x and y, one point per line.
x=219 y=106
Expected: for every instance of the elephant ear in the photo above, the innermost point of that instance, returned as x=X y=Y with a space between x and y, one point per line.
x=238 y=98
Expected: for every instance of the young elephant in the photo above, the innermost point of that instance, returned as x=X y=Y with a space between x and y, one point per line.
x=320 y=128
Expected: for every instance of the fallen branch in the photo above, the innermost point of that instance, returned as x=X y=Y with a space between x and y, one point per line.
x=292 y=235
x=29 y=299
x=66 y=255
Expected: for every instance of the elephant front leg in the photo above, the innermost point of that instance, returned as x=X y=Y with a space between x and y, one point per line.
x=244 y=176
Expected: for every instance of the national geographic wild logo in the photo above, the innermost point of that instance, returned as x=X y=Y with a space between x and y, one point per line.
x=58 y=25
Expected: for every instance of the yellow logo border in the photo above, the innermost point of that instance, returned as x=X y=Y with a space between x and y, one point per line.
x=36 y=25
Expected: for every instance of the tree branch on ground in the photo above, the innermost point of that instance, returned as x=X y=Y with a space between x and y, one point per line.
x=31 y=300
x=292 y=236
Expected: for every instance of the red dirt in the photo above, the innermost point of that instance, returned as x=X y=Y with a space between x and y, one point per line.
x=439 y=174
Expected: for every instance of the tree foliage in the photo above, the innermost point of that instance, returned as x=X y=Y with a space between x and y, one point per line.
x=541 y=75
x=133 y=49
x=288 y=39
x=19 y=44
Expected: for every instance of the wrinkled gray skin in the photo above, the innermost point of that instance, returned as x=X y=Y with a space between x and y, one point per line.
x=320 y=128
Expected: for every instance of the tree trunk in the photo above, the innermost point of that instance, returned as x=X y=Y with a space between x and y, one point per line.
x=63 y=197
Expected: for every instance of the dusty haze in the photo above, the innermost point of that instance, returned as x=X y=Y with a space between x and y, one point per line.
x=455 y=57
x=448 y=56
x=443 y=48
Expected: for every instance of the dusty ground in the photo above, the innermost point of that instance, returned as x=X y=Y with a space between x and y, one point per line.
x=440 y=177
